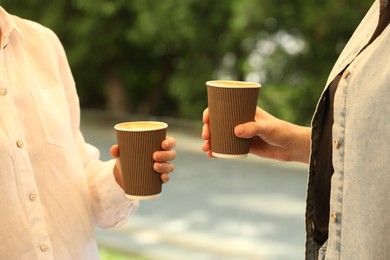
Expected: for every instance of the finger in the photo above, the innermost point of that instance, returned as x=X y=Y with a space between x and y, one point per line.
x=206 y=132
x=114 y=151
x=165 y=177
x=166 y=167
x=206 y=146
x=163 y=156
x=169 y=143
x=249 y=130
x=205 y=118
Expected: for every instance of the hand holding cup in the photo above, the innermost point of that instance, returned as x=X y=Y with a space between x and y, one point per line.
x=230 y=103
x=144 y=152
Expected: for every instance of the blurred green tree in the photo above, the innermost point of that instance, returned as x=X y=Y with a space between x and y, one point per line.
x=153 y=57
x=304 y=39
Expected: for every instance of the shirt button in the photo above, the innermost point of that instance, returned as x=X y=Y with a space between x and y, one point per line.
x=333 y=217
x=32 y=196
x=337 y=144
x=3 y=91
x=44 y=247
x=345 y=74
x=20 y=143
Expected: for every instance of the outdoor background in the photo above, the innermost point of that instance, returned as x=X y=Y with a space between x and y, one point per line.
x=151 y=59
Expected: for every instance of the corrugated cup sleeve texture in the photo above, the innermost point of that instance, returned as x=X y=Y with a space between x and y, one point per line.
x=229 y=107
x=136 y=154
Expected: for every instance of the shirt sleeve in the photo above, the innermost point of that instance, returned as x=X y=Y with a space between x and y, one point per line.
x=110 y=207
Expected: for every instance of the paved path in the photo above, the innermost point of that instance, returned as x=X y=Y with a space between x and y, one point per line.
x=212 y=209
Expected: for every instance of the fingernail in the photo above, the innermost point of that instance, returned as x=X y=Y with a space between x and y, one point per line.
x=165 y=178
x=239 y=130
x=159 y=166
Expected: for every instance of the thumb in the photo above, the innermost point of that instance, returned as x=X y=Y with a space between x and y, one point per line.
x=114 y=151
x=247 y=130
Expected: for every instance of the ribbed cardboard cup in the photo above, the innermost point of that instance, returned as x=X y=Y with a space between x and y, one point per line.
x=230 y=103
x=137 y=142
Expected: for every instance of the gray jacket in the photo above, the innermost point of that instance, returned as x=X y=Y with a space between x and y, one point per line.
x=359 y=226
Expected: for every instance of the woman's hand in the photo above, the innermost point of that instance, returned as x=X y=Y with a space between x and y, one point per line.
x=271 y=137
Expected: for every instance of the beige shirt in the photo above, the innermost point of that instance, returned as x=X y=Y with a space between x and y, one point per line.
x=359 y=225
x=54 y=190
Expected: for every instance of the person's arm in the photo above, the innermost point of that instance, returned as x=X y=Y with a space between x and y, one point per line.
x=109 y=206
x=271 y=137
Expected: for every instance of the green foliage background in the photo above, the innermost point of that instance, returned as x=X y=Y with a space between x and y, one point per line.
x=157 y=55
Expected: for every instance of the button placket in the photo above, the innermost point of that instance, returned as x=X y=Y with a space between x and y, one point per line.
x=338 y=159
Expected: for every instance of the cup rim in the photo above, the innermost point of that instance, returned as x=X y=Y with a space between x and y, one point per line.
x=232 y=84
x=158 y=126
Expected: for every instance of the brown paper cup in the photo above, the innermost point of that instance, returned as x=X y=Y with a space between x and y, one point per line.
x=137 y=142
x=230 y=103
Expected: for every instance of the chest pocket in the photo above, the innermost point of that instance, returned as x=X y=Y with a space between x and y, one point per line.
x=53 y=112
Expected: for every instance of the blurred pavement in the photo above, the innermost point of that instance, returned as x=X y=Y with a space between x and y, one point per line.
x=212 y=209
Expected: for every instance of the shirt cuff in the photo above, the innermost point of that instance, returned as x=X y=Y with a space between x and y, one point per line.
x=111 y=206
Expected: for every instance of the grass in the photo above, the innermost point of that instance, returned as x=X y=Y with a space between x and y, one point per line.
x=110 y=254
